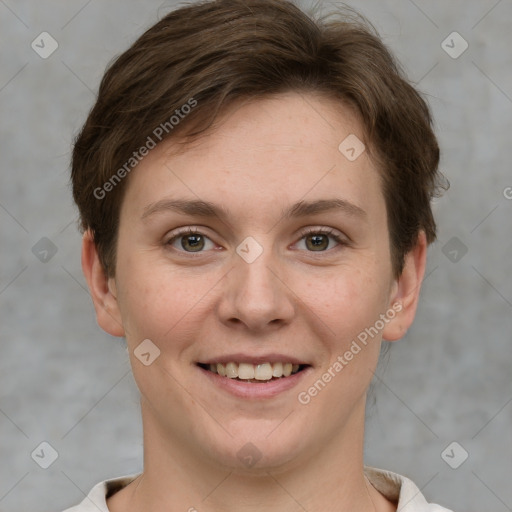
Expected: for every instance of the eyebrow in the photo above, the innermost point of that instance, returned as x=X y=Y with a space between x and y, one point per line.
x=199 y=208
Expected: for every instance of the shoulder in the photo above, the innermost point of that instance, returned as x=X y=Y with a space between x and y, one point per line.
x=96 y=500
x=401 y=490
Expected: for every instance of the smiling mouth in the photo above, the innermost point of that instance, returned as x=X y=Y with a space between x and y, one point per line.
x=246 y=372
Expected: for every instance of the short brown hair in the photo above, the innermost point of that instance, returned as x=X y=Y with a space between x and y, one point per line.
x=209 y=54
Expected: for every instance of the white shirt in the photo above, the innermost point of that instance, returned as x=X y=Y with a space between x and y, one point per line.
x=393 y=486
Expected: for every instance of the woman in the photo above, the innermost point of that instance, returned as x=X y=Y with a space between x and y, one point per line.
x=254 y=188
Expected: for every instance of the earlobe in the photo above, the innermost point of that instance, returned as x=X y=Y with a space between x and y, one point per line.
x=406 y=291
x=102 y=288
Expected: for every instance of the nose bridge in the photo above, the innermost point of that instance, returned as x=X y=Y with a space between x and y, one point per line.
x=255 y=295
x=253 y=268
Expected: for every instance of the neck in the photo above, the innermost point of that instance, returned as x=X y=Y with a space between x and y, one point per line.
x=326 y=478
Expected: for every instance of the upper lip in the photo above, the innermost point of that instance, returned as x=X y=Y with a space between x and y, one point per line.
x=252 y=359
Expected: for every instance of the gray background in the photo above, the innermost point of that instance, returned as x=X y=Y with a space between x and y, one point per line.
x=66 y=382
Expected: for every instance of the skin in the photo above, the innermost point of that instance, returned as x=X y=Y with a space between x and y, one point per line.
x=260 y=158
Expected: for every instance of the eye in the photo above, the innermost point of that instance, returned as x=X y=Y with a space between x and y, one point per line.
x=190 y=240
x=318 y=240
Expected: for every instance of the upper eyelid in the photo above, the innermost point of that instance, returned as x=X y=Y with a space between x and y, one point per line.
x=332 y=232
x=323 y=231
x=303 y=232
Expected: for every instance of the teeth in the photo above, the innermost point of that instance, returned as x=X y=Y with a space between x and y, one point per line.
x=232 y=370
x=263 y=372
x=221 y=370
x=278 y=370
x=247 y=371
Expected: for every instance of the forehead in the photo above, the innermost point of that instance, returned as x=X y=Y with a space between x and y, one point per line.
x=262 y=154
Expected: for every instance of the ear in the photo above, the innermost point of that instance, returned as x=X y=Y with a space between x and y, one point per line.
x=102 y=288
x=406 y=290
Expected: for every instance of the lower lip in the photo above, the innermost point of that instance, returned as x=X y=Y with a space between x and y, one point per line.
x=255 y=390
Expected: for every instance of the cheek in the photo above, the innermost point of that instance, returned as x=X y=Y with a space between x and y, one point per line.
x=156 y=302
x=348 y=299
x=349 y=303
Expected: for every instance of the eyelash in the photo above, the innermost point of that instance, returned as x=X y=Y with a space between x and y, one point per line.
x=341 y=241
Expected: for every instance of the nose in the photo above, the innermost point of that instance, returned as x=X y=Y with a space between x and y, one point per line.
x=256 y=296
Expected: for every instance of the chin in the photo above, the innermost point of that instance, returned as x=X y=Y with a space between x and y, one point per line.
x=255 y=451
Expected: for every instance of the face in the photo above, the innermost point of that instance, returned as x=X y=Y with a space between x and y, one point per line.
x=259 y=250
